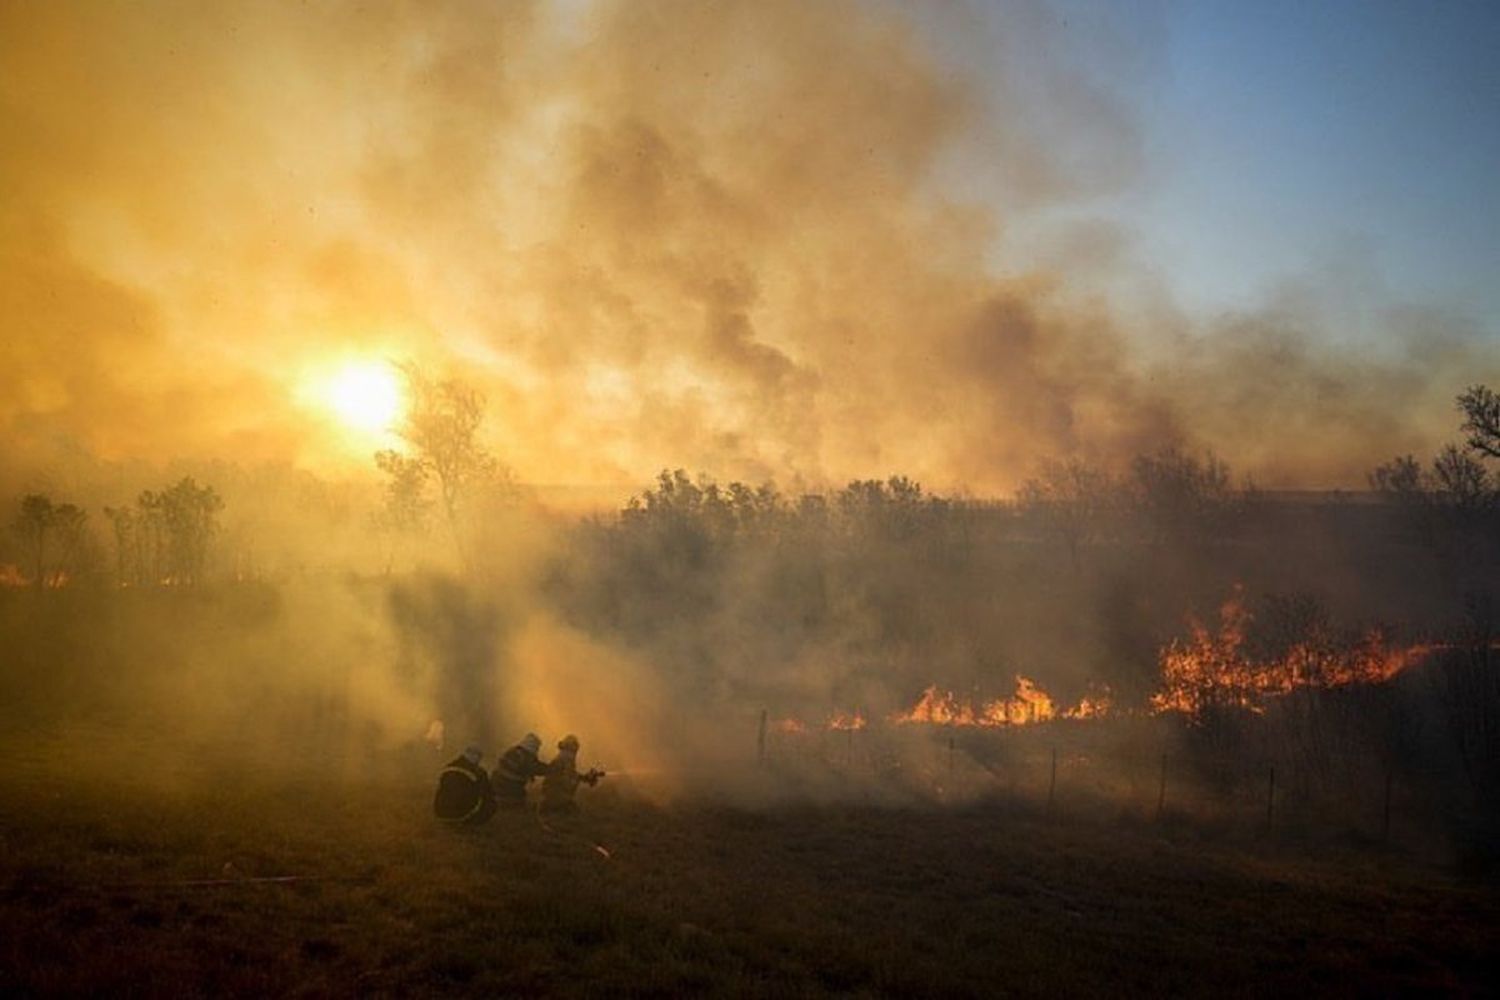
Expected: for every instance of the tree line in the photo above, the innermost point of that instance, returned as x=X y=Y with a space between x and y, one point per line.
x=1455 y=494
x=1088 y=566
x=164 y=537
x=444 y=476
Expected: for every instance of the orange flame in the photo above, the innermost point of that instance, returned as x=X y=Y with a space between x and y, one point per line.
x=851 y=722
x=1091 y=706
x=1028 y=705
x=11 y=576
x=1213 y=669
x=838 y=722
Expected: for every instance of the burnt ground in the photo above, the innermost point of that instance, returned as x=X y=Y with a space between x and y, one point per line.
x=101 y=891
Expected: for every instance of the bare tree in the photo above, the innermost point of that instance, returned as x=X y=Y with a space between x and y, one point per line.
x=1072 y=501
x=127 y=544
x=1399 y=479
x=1462 y=483
x=1456 y=492
x=1481 y=410
x=1402 y=483
x=70 y=523
x=441 y=426
x=1181 y=494
x=181 y=522
x=403 y=513
x=64 y=525
x=32 y=525
x=442 y=429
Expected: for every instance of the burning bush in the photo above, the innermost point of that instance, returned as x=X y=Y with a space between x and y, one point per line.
x=1219 y=669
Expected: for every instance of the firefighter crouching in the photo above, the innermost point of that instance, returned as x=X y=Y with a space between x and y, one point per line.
x=514 y=772
x=464 y=794
x=562 y=778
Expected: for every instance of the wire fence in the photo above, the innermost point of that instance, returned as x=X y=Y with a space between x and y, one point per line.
x=1075 y=771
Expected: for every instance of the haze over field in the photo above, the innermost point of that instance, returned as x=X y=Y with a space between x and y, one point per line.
x=801 y=242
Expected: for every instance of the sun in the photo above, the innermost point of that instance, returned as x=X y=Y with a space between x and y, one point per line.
x=365 y=396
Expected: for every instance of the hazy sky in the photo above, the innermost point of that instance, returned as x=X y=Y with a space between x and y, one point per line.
x=789 y=240
x=1293 y=134
x=1346 y=141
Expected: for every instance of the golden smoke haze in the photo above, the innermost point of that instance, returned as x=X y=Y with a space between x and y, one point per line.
x=656 y=234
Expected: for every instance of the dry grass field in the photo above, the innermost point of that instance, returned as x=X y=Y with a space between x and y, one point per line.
x=155 y=893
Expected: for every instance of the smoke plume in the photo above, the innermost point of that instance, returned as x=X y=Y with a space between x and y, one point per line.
x=657 y=234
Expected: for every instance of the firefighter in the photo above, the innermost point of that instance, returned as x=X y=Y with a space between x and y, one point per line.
x=464 y=794
x=516 y=768
x=562 y=778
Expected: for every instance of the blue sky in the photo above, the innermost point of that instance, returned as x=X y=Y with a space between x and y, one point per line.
x=1348 y=143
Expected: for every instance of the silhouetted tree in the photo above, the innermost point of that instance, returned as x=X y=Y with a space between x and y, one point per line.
x=441 y=428
x=1183 y=495
x=1457 y=494
x=70 y=524
x=181 y=522
x=1071 y=501
x=126 y=529
x=1462 y=485
x=895 y=507
x=1400 y=480
x=39 y=521
x=32 y=524
x=403 y=513
x=677 y=531
x=1481 y=410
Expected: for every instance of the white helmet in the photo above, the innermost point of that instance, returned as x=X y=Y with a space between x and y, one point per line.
x=532 y=742
x=473 y=754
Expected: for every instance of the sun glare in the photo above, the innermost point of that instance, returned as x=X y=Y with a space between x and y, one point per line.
x=366 y=396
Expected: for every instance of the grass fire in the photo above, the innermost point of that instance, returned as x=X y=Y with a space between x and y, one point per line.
x=767 y=498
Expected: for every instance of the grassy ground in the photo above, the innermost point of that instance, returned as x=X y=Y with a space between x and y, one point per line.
x=691 y=899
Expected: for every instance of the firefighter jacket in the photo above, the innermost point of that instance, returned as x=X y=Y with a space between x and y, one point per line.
x=464 y=794
x=561 y=781
x=516 y=768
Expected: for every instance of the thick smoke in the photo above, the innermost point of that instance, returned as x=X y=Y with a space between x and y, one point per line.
x=658 y=234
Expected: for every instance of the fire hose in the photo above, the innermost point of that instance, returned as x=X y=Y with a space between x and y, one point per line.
x=590 y=778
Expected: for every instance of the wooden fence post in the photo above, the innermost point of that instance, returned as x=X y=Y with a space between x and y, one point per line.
x=760 y=740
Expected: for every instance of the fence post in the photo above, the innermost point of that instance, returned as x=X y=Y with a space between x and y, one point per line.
x=1161 y=790
x=760 y=740
x=950 y=757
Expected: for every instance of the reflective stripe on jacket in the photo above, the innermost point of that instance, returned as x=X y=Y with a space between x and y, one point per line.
x=463 y=794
